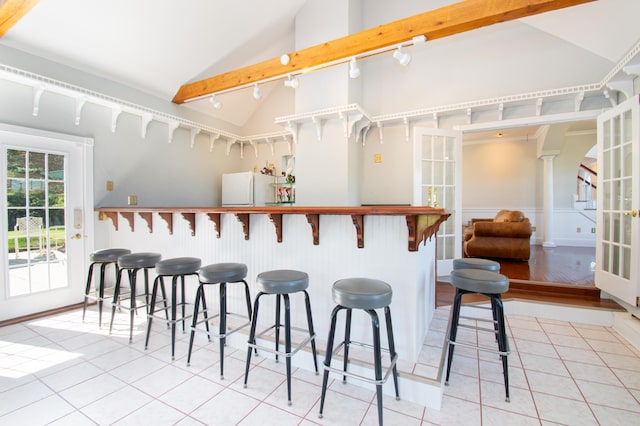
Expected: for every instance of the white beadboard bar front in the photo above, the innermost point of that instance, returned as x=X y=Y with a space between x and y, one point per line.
x=385 y=256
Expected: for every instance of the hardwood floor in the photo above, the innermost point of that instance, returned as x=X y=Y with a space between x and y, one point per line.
x=555 y=275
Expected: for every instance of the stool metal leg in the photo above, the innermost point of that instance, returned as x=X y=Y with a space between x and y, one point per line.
x=252 y=336
x=116 y=296
x=194 y=322
x=183 y=304
x=328 y=355
x=496 y=302
x=103 y=266
x=455 y=317
x=132 y=304
x=287 y=342
x=174 y=298
x=152 y=308
x=347 y=341
x=312 y=332
x=377 y=355
x=247 y=297
x=392 y=348
x=277 y=324
x=222 y=340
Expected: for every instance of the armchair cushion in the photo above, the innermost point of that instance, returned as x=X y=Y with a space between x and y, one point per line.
x=506 y=236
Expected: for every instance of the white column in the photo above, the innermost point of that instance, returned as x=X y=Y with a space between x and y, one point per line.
x=548 y=201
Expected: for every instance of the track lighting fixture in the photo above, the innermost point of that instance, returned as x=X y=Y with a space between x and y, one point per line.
x=216 y=103
x=257 y=94
x=292 y=82
x=354 y=71
x=403 y=58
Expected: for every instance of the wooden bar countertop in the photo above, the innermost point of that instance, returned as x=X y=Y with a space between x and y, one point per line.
x=422 y=222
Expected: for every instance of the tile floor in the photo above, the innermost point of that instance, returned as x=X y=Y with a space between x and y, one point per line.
x=60 y=371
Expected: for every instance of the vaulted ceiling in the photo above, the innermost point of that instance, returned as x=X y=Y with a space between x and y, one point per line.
x=158 y=45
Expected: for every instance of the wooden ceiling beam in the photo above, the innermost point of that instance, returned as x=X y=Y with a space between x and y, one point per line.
x=443 y=22
x=11 y=11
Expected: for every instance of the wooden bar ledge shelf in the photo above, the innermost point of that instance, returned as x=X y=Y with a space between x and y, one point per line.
x=422 y=222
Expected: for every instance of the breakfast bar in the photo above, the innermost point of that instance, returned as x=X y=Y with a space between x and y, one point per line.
x=396 y=244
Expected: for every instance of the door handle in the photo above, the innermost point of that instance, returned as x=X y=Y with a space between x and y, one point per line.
x=77 y=236
x=632 y=213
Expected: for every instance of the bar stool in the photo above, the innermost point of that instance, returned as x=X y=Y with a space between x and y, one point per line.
x=103 y=258
x=219 y=273
x=132 y=263
x=368 y=295
x=178 y=267
x=282 y=283
x=491 y=285
x=476 y=263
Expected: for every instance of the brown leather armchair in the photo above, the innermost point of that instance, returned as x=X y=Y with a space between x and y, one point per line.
x=506 y=236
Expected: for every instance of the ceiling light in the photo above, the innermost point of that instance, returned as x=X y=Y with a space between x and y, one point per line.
x=419 y=39
x=257 y=94
x=294 y=83
x=216 y=103
x=354 y=71
x=284 y=59
x=403 y=58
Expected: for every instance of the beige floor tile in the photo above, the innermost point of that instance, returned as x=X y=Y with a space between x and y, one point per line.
x=191 y=394
x=495 y=417
x=608 y=396
x=269 y=416
x=592 y=373
x=608 y=416
x=562 y=410
x=554 y=385
x=454 y=412
x=226 y=408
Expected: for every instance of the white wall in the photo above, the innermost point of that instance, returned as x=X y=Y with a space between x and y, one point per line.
x=157 y=172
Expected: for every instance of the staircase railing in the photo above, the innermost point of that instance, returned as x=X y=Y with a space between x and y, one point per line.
x=586 y=185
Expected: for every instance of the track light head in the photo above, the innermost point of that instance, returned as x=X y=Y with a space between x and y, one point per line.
x=257 y=94
x=403 y=58
x=292 y=82
x=215 y=102
x=354 y=71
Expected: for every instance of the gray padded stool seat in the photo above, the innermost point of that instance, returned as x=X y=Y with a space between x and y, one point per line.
x=178 y=267
x=103 y=258
x=366 y=294
x=219 y=273
x=281 y=283
x=132 y=263
x=492 y=285
x=476 y=263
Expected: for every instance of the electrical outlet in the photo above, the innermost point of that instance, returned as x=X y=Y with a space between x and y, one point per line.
x=109 y=185
x=533 y=229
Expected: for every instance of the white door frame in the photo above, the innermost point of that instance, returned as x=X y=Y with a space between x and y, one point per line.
x=78 y=218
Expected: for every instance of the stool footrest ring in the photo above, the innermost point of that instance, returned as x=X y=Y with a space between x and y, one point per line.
x=281 y=353
x=480 y=348
x=217 y=335
x=364 y=378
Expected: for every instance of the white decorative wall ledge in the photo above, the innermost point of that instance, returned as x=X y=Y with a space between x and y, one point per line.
x=356 y=122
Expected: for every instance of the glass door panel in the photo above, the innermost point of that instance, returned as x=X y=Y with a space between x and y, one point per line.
x=618 y=198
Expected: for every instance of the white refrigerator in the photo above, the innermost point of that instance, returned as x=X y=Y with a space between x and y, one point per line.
x=247 y=189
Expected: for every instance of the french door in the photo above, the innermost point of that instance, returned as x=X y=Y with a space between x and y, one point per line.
x=47 y=215
x=437 y=175
x=618 y=235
